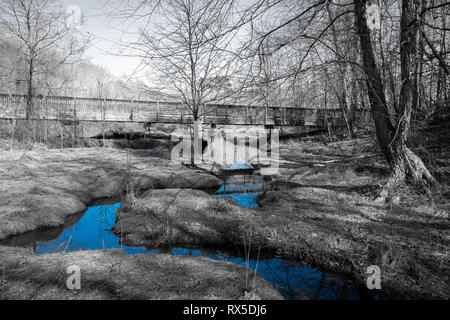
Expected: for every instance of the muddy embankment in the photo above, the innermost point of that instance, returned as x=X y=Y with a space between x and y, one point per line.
x=319 y=212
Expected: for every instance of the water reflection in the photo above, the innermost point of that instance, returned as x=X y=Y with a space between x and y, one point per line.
x=249 y=200
x=242 y=188
x=240 y=165
x=293 y=281
x=89 y=231
x=92 y=231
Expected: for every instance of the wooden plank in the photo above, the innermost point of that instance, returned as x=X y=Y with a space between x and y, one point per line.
x=95 y=109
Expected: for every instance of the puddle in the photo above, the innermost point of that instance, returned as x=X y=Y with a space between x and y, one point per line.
x=243 y=188
x=91 y=231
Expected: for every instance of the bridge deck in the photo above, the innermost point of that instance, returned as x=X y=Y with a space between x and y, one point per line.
x=108 y=110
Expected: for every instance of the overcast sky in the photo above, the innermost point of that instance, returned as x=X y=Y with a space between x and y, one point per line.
x=107 y=33
x=105 y=37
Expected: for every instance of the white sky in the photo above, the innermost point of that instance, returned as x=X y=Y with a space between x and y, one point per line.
x=99 y=26
x=106 y=36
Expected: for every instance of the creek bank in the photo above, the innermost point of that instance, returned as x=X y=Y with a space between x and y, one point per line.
x=330 y=209
x=333 y=230
x=93 y=232
x=112 y=274
x=42 y=188
x=180 y=216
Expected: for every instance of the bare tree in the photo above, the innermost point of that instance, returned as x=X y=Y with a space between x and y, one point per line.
x=391 y=114
x=345 y=52
x=264 y=78
x=185 y=47
x=191 y=39
x=39 y=30
x=392 y=138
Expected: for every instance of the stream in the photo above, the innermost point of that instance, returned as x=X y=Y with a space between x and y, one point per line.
x=91 y=231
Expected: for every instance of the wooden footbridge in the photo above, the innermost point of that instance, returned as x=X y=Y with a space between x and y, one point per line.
x=71 y=109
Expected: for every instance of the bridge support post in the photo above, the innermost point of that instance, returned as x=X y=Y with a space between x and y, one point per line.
x=265 y=115
x=246 y=114
x=157 y=112
x=226 y=113
x=74 y=122
x=181 y=120
x=269 y=127
x=131 y=110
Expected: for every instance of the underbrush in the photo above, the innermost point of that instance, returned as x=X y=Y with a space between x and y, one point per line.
x=20 y=135
x=147 y=143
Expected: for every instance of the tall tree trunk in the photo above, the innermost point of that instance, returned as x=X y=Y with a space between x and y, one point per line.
x=377 y=98
x=343 y=92
x=29 y=103
x=419 y=69
x=29 y=97
x=392 y=140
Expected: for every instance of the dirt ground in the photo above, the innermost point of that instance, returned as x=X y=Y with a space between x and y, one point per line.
x=320 y=211
x=41 y=188
x=172 y=217
x=329 y=218
x=45 y=188
x=111 y=274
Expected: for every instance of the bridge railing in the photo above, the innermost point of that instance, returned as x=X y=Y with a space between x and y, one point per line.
x=95 y=109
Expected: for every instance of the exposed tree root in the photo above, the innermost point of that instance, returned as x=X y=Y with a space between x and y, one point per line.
x=406 y=168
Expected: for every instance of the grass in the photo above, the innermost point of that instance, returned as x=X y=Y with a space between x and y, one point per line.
x=110 y=274
x=165 y=224
x=409 y=240
x=325 y=217
x=42 y=187
x=250 y=244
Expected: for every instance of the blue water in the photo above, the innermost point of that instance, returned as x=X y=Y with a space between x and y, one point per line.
x=248 y=200
x=91 y=232
x=294 y=281
x=243 y=189
x=239 y=164
x=239 y=187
